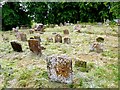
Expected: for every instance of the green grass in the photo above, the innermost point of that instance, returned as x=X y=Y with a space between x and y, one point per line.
x=30 y=70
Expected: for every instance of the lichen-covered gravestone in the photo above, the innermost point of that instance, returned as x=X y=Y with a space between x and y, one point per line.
x=67 y=40
x=60 y=69
x=34 y=46
x=16 y=46
x=65 y=31
x=58 y=38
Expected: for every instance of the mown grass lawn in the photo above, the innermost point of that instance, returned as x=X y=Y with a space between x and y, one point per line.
x=25 y=69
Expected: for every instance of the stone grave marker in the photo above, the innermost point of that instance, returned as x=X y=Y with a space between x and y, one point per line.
x=58 y=38
x=49 y=39
x=65 y=31
x=31 y=31
x=39 y=27
x=77 y=28
x=16 y=46
x=79 y=63
x=15 y=29
x=34 y=46
x=60 y=69
x=61 y=24
x=21 y=36
x=97 y=47
x=67 y=40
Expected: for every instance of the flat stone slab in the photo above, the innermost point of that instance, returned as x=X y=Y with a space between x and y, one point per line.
x=60 y=69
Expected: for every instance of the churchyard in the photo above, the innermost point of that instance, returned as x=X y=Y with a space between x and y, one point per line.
x=80 y=67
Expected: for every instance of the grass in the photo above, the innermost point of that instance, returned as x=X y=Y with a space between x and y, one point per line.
x=26 y=69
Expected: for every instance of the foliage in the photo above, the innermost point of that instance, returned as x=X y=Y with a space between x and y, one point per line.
x=22 y=13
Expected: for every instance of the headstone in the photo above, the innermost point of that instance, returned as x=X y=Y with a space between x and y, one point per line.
x=39 y=27
x=60 y=69
x=97 y=47
x=80 y=64
x=65 y=31
x=67 y=40
x=58 y=38
x=16 y=46
x=15 y=29
x=21 y=36
x=49 y=39
x=77 y=28
x=34 y=46
x=61 y=24
x=31 y=31
x=37 y=37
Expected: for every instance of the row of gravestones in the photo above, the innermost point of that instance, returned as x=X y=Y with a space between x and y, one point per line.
x=59 y=67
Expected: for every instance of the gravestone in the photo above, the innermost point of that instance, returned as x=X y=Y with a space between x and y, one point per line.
x=31 y=31
x=80 y=64
x=67 y=40
x=49 y=39
x=37 y=37
x=39 y=27
x=61 y=24
x=15 y=29
x=16 y=46
x=58 y=38
x=65 y=31
x=21 y=36
x=77 y=28
x=60 y=69
x=97 y=47
x=34 y=46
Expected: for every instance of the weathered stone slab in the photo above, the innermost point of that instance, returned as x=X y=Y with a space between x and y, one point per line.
x=58 y=38
x=60 y=69
x=65 y=31
x=67 y=40
x=80 y=64
x=97 y=47
x=34 y=46
x=16 y=46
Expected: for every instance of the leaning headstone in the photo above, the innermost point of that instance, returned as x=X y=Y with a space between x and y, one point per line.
x=67 y=40
x=15 y=29
x=61 y=24
x=77 y=28
x=97 y=47
x=21 y=36
x=31 y=31
x=39 y=27
x=16 y=46
x=34 y=46
x=37 y=37
x=49 y=39
x=60 y=69
x=58 y=38
x=80 y=64
x=65 y=31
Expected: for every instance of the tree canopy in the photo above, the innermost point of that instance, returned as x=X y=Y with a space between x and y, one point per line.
x=22 y=13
